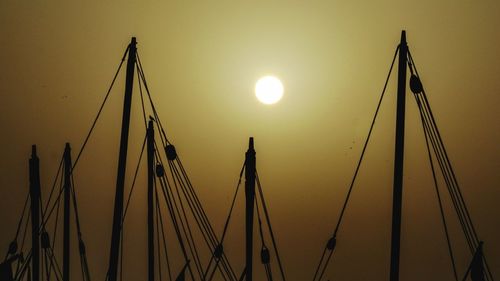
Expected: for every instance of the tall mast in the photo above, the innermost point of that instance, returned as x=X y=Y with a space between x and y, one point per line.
x=398 y=159
x=122 y=165
x=151 y=178
x=250 y=200
x=67 y=210
x=34 y=167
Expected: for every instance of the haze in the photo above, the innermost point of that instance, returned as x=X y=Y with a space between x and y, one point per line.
x=202 y=59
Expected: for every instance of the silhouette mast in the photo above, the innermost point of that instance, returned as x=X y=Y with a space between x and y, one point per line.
x=250 y=163
x=34 y=167
x=122 y=163
x=150 y=199
x=67 y=211
x=398 y=160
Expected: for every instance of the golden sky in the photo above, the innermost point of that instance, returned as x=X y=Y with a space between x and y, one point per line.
x=202 y=59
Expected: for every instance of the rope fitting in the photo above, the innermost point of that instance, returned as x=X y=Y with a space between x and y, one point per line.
x=219 y=250
x=415 y=84
x=170 y=151
x=45 y=240
x=332 y=242
x=160 y=171
x=264 y=255
x=12 y=247
x=81 y=247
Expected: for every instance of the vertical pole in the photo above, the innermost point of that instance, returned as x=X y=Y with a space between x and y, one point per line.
x=151 y=178
x=398 y=160
x=250 y=201
x=67 y=210
x=122 y=164
x=34 y=166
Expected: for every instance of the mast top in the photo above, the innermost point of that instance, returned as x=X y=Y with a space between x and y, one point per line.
x=33 y=150
x=250 y=144
x=403 y=36
x=133 y=43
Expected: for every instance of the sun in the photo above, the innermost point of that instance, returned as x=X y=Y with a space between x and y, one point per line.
x=269 y=90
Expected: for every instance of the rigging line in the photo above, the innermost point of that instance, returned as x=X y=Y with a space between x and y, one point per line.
x=189 y=234
x=326 y=264
x=45 y=216
x=449 y=186
x=243 y=274
x=366 y=144
x=100 y=109
x=489 y=275
x=461 y=202
x=171 y=203
x=268 y=272
x=203 y=225
x=202 y=220
x=57 y=271
x=142 y=98
x=167 y=198
x=351 y=186
x=25 y=229
x=191 y=194
x=321 y=262
x=445 y=153
x=463 y=215
x=450 y=250
x=232 y=204
x=271 y=232
x=20 y=223
x=158 y=248
x=45 y=268
x=54 y=235
x=162 y=135
x=54 y=185
x=75 y=207
x=164 y=182
x=260 y=224
x=212 y=273
x=185 y=224
x=226 y=224
x=135 y=178
x=22 y=268
x=81 y=244
x=477 y=252
x=263 y=242
x=22 y=217
x=438 y=148
x=158 y=241
x=225 y=262
x=160 y=216
x=177 y=178
x=192 y=205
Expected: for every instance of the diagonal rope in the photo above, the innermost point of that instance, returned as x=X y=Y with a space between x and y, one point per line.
x=320 y=270
x=100 y=109
x=270 y=228
x=431 y=162
x=449 y=175
x=226 y=225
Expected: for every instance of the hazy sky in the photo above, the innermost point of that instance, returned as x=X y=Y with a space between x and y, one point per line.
x=202 y=59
